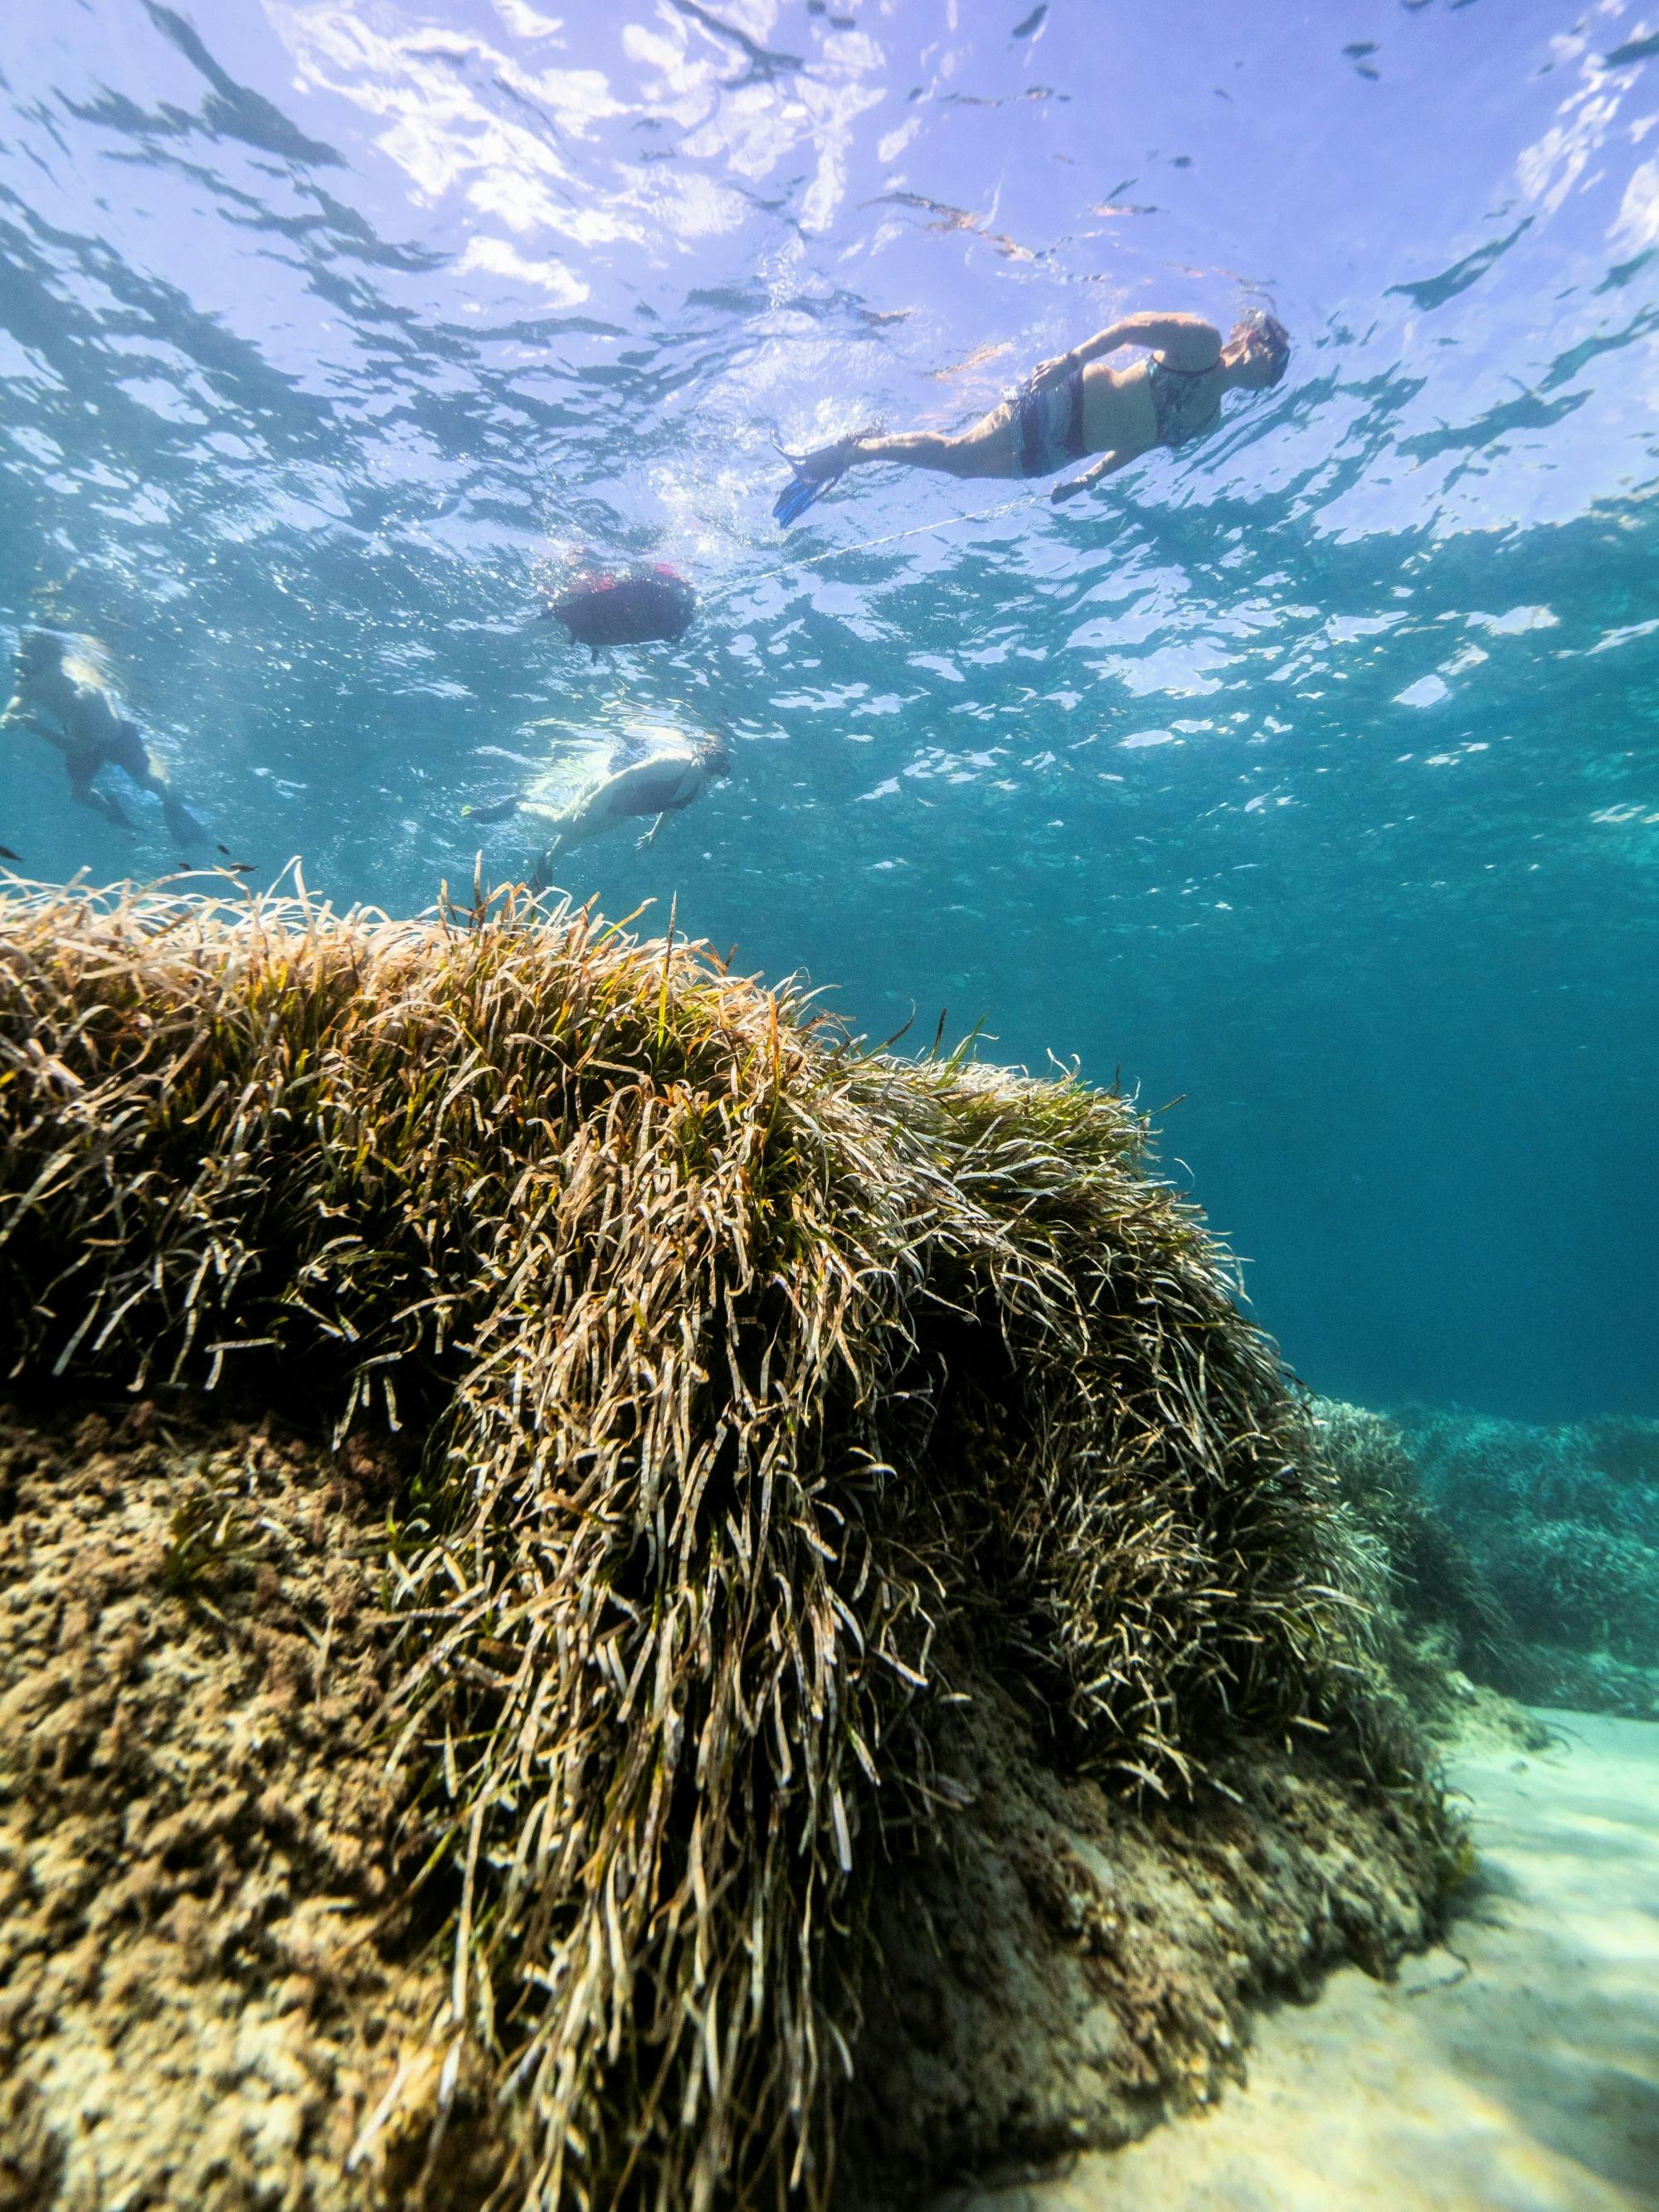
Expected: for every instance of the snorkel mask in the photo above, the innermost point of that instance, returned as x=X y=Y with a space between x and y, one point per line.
x=1269 y=333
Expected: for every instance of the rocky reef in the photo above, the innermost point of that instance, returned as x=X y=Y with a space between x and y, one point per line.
x=612 y=1600
x=1561 y=1526
x=1524 y=1558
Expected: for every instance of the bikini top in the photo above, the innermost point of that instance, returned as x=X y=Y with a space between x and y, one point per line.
x=1175 y=393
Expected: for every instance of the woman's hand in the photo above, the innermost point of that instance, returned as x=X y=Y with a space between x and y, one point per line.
x=1087 y=480
x=1051 y=371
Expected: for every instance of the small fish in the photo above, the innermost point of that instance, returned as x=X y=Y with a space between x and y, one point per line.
x=6 y=853
x=225 y=849
x=240 y=867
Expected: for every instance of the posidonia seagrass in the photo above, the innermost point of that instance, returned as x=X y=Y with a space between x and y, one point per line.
x=748 y=1362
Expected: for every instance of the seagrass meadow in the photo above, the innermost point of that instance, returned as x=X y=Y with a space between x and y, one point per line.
x=613 y=1600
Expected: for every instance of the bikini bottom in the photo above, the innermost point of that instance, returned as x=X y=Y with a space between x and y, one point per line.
x=1048 y=427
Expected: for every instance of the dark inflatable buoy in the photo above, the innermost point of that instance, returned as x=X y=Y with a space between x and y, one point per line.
x=644 y=606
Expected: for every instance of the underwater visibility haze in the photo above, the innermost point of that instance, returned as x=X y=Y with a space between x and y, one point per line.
x=1308 y=772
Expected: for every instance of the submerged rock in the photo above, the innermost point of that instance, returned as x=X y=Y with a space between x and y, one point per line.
x=679 y=1594
x=1529 y=1554
x=210 y=1973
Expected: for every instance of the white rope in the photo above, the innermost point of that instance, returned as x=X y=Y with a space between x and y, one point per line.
x=868 y=544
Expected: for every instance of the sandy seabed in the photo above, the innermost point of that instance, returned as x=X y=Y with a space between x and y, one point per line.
x=1516 y=2069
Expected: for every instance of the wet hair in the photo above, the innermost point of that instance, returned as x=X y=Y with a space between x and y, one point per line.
x=1270 y=333
x=70 y=653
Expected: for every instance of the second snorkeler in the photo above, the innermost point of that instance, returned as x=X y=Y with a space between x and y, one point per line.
x=1075 y=406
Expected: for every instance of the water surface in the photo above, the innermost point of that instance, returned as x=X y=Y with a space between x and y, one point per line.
x=1310 y=774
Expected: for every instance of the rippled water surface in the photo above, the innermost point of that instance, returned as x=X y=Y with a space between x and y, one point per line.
x=1309 y=773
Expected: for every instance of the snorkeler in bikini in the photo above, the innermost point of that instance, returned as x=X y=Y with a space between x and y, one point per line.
x=1075 y=406
x=653 y=771
x=62 y=695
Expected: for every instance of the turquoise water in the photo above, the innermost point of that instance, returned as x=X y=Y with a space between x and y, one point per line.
x=1308 y=774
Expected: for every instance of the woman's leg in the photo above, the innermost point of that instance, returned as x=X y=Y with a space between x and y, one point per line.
x=82 y=767
x=988 y=449
x=129 y=754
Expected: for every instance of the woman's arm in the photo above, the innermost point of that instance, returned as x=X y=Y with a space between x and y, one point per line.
x=1188 y=340
x=23 y=715
x=1108 y=465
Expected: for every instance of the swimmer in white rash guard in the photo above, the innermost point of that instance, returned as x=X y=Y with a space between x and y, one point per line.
x=654 y=771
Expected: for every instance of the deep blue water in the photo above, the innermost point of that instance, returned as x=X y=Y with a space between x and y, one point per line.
x=1310 y=774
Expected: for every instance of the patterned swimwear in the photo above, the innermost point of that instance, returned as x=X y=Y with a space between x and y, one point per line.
x=1048 y=427
x=1176 y=395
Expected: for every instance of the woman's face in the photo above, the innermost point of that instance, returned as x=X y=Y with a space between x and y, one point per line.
x=1257 y=364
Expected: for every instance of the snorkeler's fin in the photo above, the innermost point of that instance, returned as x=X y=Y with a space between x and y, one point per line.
x=797 y=495
x=184 y=823
x=540 y=878
x=832 y=463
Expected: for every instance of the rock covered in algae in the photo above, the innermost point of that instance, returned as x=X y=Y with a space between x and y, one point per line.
x=1534 y=1550
x=627 y=1490
x=204 y=1994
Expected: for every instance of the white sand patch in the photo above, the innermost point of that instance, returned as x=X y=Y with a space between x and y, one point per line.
x=1515 y=2070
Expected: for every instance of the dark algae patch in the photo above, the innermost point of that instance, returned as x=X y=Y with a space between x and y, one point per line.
x=667 y=1596
x=209 y=1965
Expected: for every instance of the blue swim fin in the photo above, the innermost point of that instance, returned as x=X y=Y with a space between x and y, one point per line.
x=793 y=501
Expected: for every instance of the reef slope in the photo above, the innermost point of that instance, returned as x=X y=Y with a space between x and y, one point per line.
x=1519 y=2066
x=640 y=1533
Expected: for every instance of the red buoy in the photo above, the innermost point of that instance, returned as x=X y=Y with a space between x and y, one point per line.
x=647 y=604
